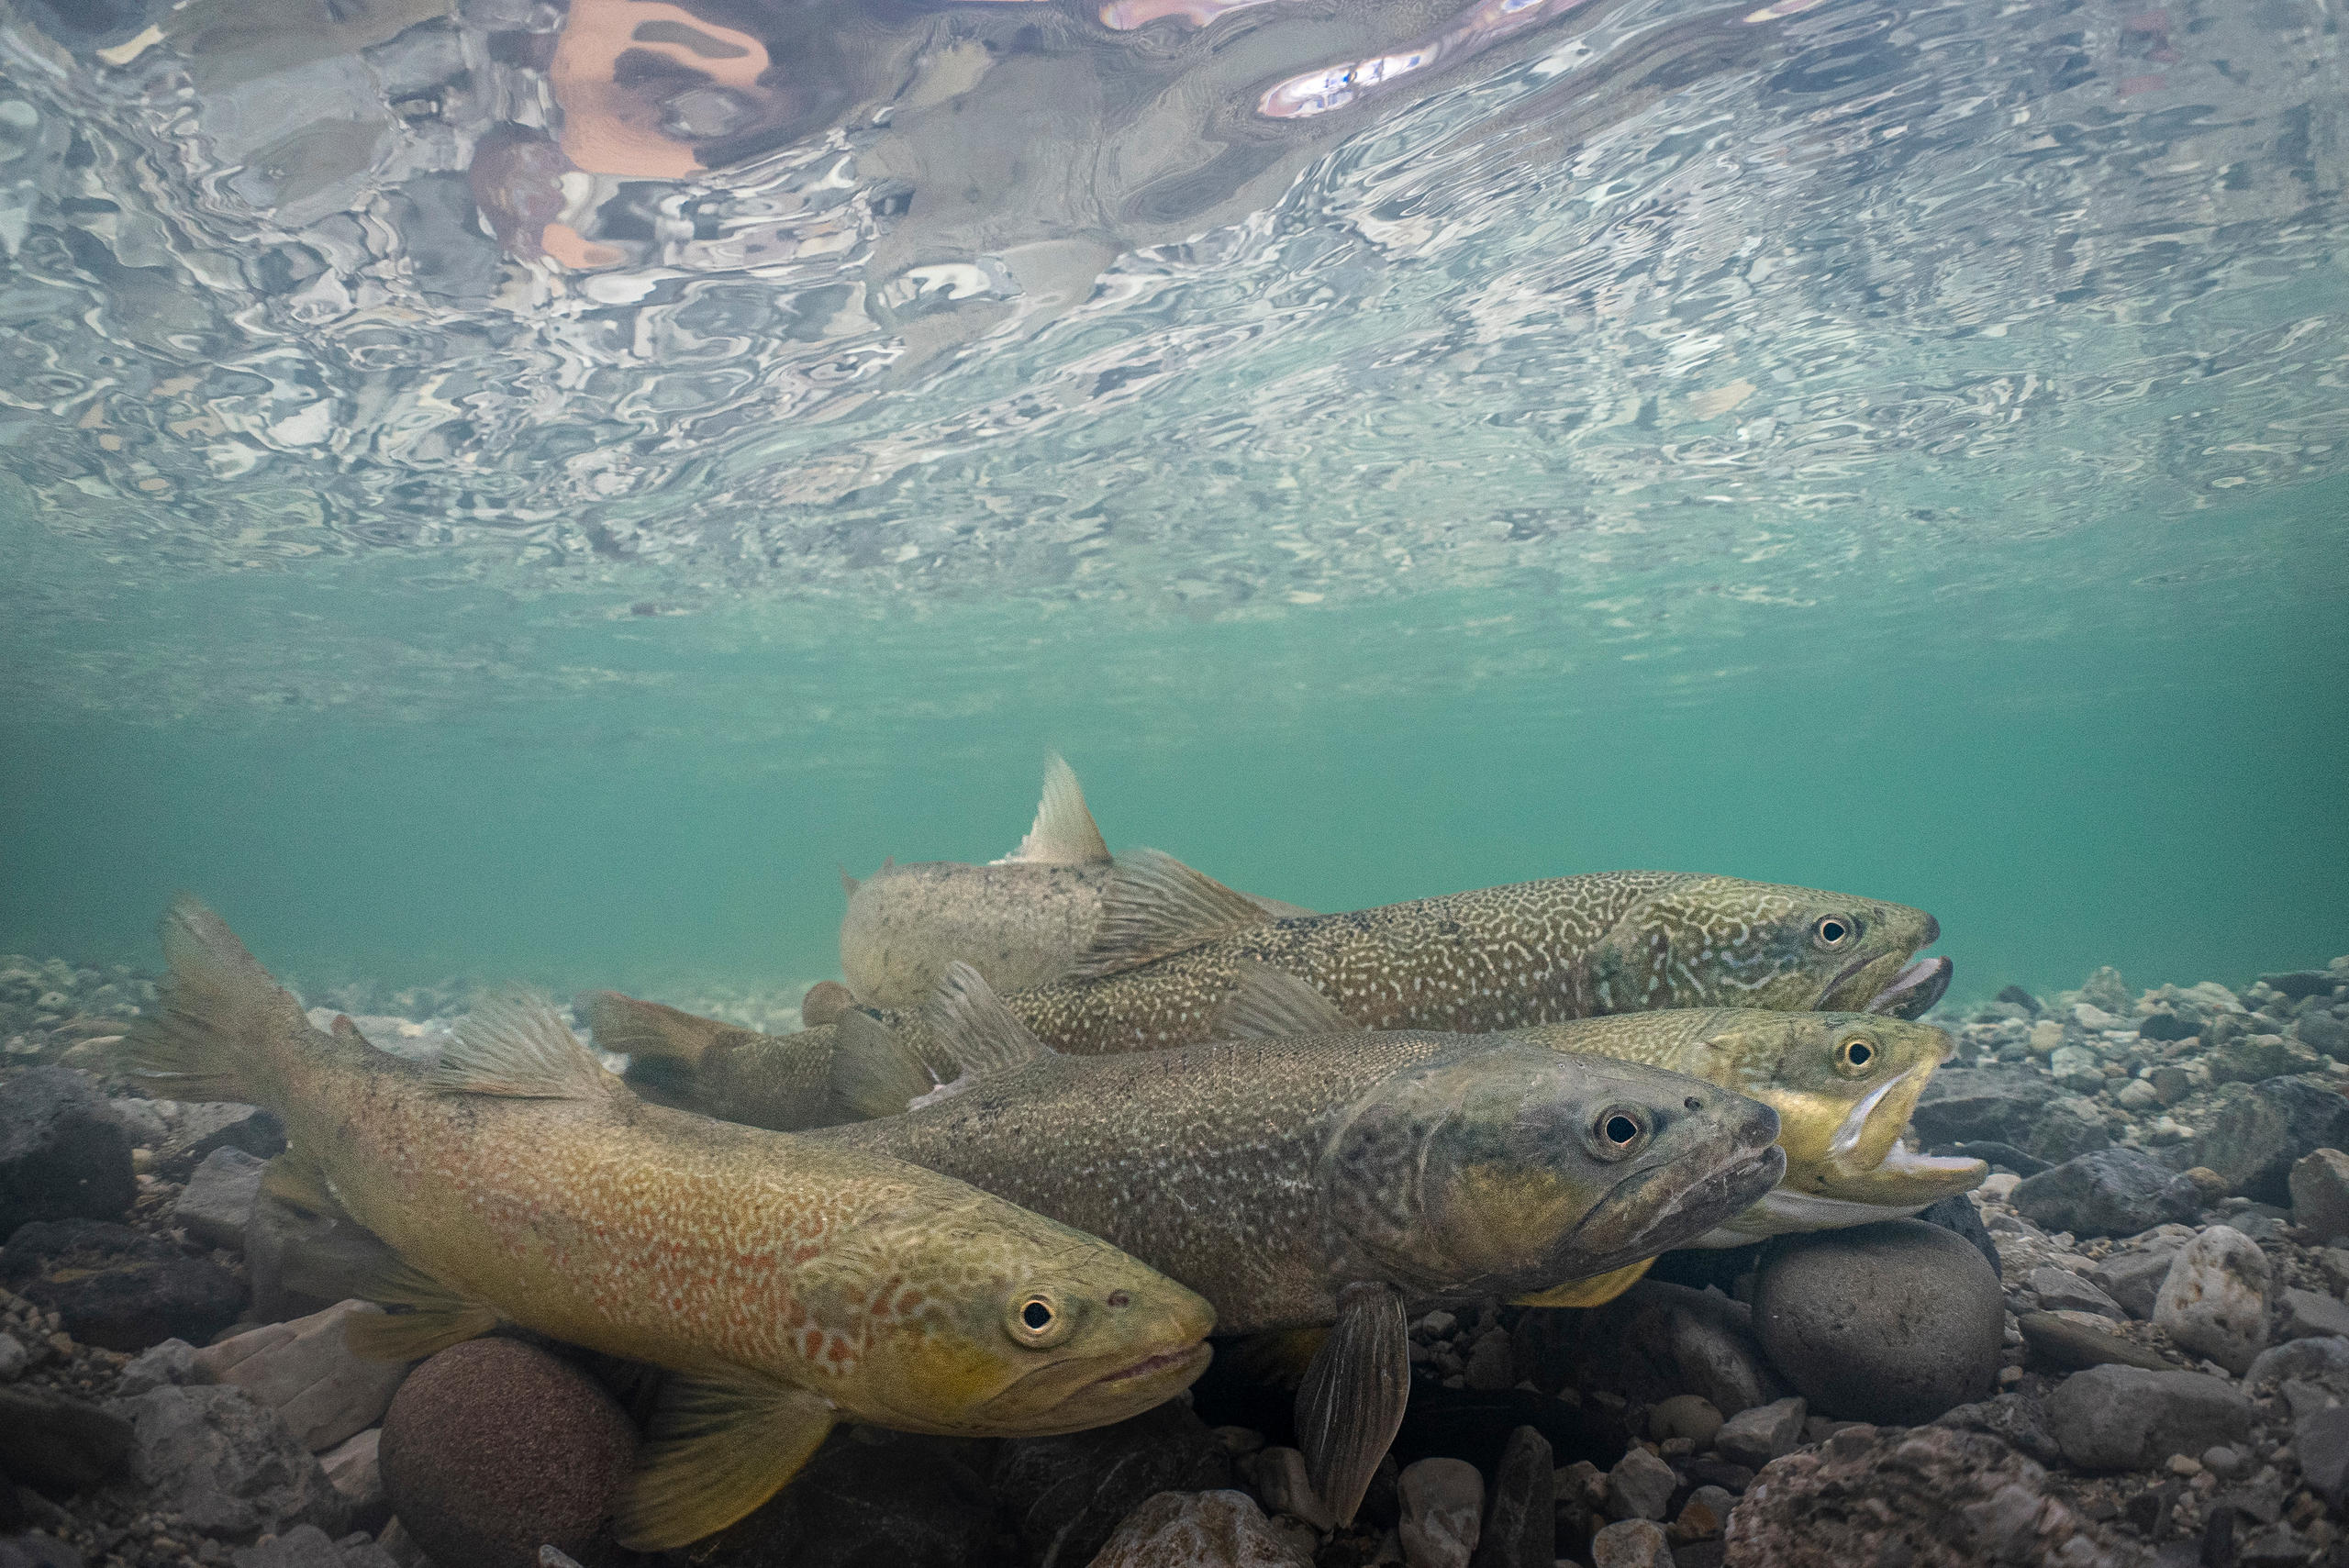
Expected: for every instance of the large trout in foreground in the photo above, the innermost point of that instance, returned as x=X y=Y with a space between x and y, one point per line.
x=1174 y=944
x=786 y=1285
x=1356 y=1181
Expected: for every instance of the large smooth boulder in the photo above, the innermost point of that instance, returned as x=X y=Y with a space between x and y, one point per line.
x=64 y=1154
x=1893 y=1323
x=494 y=1447
x=2126 y=1417
x=2112 y=1192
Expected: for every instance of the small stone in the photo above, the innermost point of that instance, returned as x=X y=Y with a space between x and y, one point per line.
x=2061 y=1290
x=2319 y=1188
x=2133 y=1278
x=1687 y=1416
x=2209 y=1185
x=227 y=1465
x=218 y=1199
x=117 y=1288
x=1632 y=1543
x=2323 y=1033
x=2046 y=1037
x=2076 y=1068
x=304 y=1546
x=2111 y=1191
x=1282 y=1488
x=2248 y=1059
x=2137 y=1096
x=492 y=1447
x=2223 y=1461
x=1443 y=1509
x=1713 y=1349
x=14 y=1358
x=2126 y=1417
x=2185 y=1465
x=1195 y=1530
x=1704 y=1516
x=166 y=1366
x=1521 y=1527
x=2307 y=1314
x=49 y=1440
x=64 y=1154
x=1757 y=1436
x=2073 y=1346
x=2214 y=1301
x=1640 y=1485
x=2016 y=1419
x=353 y=1467
x=1893 y=1323
x=306 y=1371
x=2071 y=1125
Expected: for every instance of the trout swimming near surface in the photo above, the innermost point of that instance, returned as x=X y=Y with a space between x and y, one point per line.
x=1350 y=1181
x=1173 y=945
x=1843 y=1086
x=785 y=1285
x=1019 y=921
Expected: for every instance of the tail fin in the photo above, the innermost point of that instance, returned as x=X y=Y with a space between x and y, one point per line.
x=219 y=1020
x=632 y=1027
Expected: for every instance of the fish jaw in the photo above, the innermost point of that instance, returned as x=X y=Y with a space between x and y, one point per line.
x=1786 y=1212
x=1076 y=1396
x=1905 y=1176
x=1914 y=990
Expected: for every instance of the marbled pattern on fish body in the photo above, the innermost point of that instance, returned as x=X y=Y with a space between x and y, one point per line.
x=519 y=1183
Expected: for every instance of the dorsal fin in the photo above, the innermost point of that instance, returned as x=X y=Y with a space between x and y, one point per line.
x=1272 y=1003
x=875 y=1071
x=1155 y=905
x=517 y=1045
x=977 y=1029
x=848 y=883
x=1063 y=833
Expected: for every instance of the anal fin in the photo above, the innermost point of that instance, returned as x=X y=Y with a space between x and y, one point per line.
x=720 y=1445
x=1353 y=1395
x=1595 y=1291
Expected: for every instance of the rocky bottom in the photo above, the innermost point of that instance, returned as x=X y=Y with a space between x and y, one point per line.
x=2130 y=1347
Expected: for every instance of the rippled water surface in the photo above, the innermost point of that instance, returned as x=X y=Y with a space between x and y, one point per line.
x=524 y=487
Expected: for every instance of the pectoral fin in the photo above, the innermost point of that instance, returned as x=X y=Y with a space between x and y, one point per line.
x=1352 y=1400
x=425 y=1316
x=1595 y=1291
x=720 y=1446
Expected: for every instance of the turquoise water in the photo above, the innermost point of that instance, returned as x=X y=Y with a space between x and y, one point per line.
x=460 y=527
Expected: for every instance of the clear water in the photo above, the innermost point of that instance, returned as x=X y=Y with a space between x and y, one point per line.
x=522 y=491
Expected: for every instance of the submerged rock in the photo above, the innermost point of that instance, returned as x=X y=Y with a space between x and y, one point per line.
x=1065 y=1495
x=874 y=1498
x=2214 y=1301
x=1632 y=1543
x=2112 y=1192
x=64 y=1154
x=305 y=1372
x=218 y=1199
x=2319 y=1188
x=2073 y=1346
x=225 y=1464
x=1893 y=1323
x=117 y=1288
x=1197 y=1530
x=2126 y=1417
x=59 y=1443
x=2253 y=1133
x=1443 y=1513
x=493 y=1447
x=1521 y=1527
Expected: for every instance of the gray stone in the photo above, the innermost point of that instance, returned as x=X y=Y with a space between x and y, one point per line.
x=159 y=1366
x=298 y=1262
x=226 y=1463
x=59 y=1443
x=304 y=1546
x=2074 y=1346
x=1522 y=1519
x=1704 y=1515
x=1713 y=1348
x=1755 y=1437
x=2068 y=1128
x=2133 y=1278
x=352 y=1465
x=205 y=1125
x=2253 y=1133
x=1443 y=1513
x=1195 y=1530
x=2311 y=1315
x=14 y=1358
x=1640 y=1485
x=2214 y=1301
x=2250 y=1057
x=1490 y=1367
x=1967 y=1105
x=1632 y=1543
x=2015 y=1418
x=1283 y=1488
x=2112 y=1192
x=64 y=1154
x=218 y=1198
x=2323 y=1033
x=1065 y=1495
x=2320 y=1445
x=1685 y=1416
x=2319 y=1188
x=2323 y=1363
x=306 y=1371
x=1893 y=1323
x=2126 y=1417
x=2076 y=1068
x=2061 y=1290
x=116 y=1287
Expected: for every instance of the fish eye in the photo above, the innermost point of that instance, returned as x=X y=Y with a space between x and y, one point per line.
x=1855 y=1057
x=1037 y=1320
x=1833 y=933
x=1617 y=1132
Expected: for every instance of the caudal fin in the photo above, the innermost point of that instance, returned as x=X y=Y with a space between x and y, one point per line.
x=221 y=1018
x=631 y=1028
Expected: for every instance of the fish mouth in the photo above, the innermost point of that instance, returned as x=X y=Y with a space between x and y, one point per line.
x=1913 y=991
x=1149 y=1366
x=1713 y=1198
x=1898 y=1174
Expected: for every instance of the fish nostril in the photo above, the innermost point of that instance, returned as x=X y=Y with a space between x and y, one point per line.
x=1692 y=1103
x=1119 y=1299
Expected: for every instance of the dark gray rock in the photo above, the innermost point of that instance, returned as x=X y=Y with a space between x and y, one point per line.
x=2134 y=1278
x=36 y=1549
x=218 y=1198
x=1521 y=1510
x=2075 y=1347
x=203 y=1126
x=1892 y=1323
x=2017 y=1419
x=873 y=1497
x=304 y=1546
x=117 y=1288
x=2067 y=1130
x=57 y=1444
x=2126 y=1417
x=1755 y=1437
x=1640 y=1485
x=2320 y=1442
x=2061 y=1290
x=298 y=1263
x=159 y=1366
x=227 y=1464
x=1962 y=1105
x=64 y=1155
x=2253 y=1132
x=2322 y=1364
x=2309 y=1314
x=2298 y=983
x=2114 y=1192
x=1959 y=1217
x=1065 y=1495
x=2324 y=1033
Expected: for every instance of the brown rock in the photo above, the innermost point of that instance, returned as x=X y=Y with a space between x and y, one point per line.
x=493 y=1449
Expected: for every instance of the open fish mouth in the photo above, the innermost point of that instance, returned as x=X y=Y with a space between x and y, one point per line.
x=1914 y=990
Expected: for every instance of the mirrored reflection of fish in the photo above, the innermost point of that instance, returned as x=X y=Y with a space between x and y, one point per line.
x=1019 y=921
x=1347 y=1180
x=785 y=1286
x=1173 y=943
x=1843 y=1086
